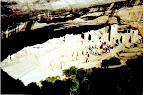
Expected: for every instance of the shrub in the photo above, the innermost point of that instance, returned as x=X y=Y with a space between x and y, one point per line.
x=112 y=61
x=52 y=79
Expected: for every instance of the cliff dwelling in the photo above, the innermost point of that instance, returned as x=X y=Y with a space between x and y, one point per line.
x=72 y=47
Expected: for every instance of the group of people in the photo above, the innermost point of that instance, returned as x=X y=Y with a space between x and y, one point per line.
x=104 y=49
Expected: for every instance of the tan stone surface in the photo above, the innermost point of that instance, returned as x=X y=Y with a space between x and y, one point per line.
x=130 y=14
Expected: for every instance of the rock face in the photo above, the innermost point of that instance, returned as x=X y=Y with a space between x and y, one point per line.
x=130 y=15
x=26 y=7
x=79 y=17
x=121 y=36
